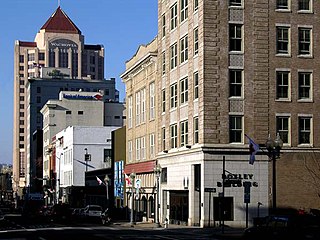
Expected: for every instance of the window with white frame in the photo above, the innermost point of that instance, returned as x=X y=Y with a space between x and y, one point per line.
x=235 y=35
x=163 y=24
x=237 y=3
x=173 y=136
x=183 y=10
x=305 y=5
x=163 y=63
x=143 y=105
x=282 y=88
x=130 y=151
x=196 y=85
x=152 y=145
x=130 y=112
x=196 y=130
x=138 y=148
x=173 y=56
x=305 y=127
x=282 y=4
x=304 y=85
x=283 y=40
x=235 y=83
x=235 y=129
x=152 y=101
x=283 y=128
x=304 y=41
x=163 y=138
x=138 y=107
x=173 y=16
x=143 y=147
x=184 y=133
x=184 y=49
x=184 y=90
x=195 y=5
x=196 y=41
x=173 y=96
x=163 y=102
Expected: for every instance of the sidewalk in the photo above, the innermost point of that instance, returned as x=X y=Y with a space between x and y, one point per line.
x=229 y=233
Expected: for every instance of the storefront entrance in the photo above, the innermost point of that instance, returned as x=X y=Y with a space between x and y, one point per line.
x=179 y=207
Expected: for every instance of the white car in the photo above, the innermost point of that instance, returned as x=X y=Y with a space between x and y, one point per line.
x=93 y=211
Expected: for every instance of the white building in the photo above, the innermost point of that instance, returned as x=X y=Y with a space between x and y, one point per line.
x=73 y=144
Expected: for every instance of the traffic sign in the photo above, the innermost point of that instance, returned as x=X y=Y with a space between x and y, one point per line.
x=210 y=190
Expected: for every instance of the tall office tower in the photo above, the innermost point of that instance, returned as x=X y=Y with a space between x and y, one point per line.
x=58 y=45
x=228 y=68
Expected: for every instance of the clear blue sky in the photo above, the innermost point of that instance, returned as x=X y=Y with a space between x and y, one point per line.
x=120 y=25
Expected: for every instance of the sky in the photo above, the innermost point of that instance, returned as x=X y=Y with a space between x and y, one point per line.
x=121 y=26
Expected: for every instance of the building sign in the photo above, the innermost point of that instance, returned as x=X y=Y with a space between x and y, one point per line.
x=236 y=180
x=63 y=43
x=77 y=96
x=51 y=72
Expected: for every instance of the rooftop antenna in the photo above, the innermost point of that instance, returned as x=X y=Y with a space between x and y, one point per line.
x=58 y=3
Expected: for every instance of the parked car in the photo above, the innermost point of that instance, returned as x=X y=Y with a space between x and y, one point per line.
x=93 y=211
x=285 y=227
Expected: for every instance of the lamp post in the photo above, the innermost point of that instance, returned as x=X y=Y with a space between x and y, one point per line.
x=106 y=181
x=157 y=172
x=274 y=147
x=87 y=157
x=132 y=177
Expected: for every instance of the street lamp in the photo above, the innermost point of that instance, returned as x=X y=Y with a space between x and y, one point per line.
x=274 y=147
x=87 y=157
x=132 y=177
x=106 y=181
x=157 y=172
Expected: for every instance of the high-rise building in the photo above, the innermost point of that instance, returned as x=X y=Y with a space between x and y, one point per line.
x=228 y=69
x=59 y=45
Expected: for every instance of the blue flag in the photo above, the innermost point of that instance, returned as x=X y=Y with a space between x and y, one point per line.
x=253 y=148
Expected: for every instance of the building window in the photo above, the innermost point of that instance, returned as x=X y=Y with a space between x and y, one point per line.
x=304 y=130
x=143 y=105
x=21 y=106
x=196 y=41
x=174 y=136
x=173 y=16
x=130 y=112
x=184 y=90
x=130 y=151
x=21 y=130
x=31 y=57
x=21 y=68
x=80 y=112
x=164 y=175
x=38 y=99
x=143 y=148
x=68 y=112
x=41 y=56
x=21 y=114
x=173 y=56
x=282 y=85
x=163 y=23
x=152 y=101
x=235 y=80
x=21 y=58
x=196 y=130
x=138 y=108
x=235 y=3
x=195 y=5
x=235 y=129
x=283 y=128
x=235 y=35
x=184 y=133
x=282 y=4
x=196 y=85
x=138 y=148
x=283 y=40
x=184 y=10
x=163 y=63
x=21 y=122
x=152 y=149
x=21 y=90
x=173 y=96
x=21 y=98
x=184 y=49
x=304 y=85
x=163 y=139
x=38 y=89
x=304 y=41
x=163 y=102
x=304 y=5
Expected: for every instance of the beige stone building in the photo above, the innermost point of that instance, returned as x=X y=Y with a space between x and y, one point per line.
x=58 y=45
x=226 y=69
x=141 y=128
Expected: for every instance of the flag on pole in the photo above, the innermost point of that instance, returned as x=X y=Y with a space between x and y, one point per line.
x=253 y=148
x=99 y=180
x=127 y=179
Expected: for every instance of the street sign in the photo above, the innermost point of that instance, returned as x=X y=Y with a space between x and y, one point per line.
x=210 y=190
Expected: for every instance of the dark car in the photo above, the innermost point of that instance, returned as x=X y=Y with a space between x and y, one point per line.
x=285 y=227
